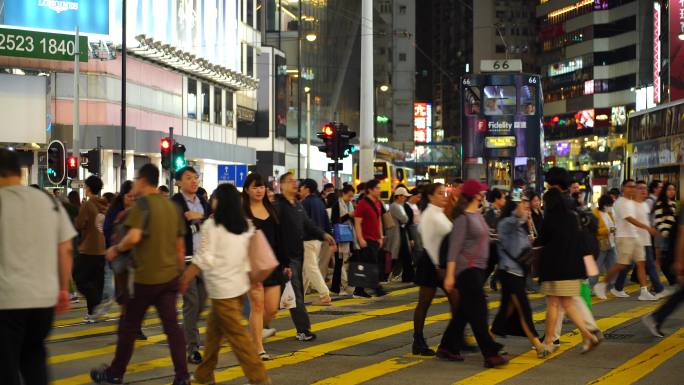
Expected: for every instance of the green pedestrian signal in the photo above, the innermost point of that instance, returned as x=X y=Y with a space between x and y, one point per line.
x=382 y=119
x=179 y=156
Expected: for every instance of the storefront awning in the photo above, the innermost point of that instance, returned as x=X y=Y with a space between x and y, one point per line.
x=164 y=54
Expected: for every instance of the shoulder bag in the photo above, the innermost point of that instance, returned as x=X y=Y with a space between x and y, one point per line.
x=262 y=260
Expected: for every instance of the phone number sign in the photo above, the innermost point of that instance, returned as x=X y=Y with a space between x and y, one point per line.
x=41 y=45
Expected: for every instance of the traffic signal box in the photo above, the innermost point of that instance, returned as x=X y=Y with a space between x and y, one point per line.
x=336 y=137
x=72 y=167
x=56 y=162
x=178 y=156
x=166 y=148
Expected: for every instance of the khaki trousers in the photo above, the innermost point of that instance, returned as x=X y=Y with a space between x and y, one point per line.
x=312 y=272
x=224 y=321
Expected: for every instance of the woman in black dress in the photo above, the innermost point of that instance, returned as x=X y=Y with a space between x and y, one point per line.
x=264 y=298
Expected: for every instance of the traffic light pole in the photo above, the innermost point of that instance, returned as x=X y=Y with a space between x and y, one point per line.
x=169 y=182
x=76 y=136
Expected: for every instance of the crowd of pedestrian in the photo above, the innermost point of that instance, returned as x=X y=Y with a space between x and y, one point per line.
x=148 y=247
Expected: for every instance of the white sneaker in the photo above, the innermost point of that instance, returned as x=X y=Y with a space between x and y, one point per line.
x=646 y=295
x=266 y=332
x=600 y=290
x=619 y=294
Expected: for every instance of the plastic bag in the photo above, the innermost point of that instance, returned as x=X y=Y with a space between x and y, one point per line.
x=288 y=300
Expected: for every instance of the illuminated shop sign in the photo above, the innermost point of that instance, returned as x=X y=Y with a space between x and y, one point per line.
x=91 y=16
x=499 y=141
x=563 y=148
x=618 y=116
x=676 y=11
x=656 y=52
x=565 y=67
x=422 y=122
x=585 y=119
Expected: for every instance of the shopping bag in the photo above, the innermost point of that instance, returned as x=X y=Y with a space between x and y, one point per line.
x=363 y=274
x=343 y=233
x=288 y=299
x=262 y=260
x=585 y=293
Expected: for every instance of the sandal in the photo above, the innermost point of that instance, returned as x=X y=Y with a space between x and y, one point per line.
x=265 y=356
x=590 y=344
x=545 y=351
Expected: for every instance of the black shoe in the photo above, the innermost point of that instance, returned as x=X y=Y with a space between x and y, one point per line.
x=500 y=349
x=195 y=357
x=140 y=336
x=305 y=336
x=101 y=376
x=360 y=293
x=444 y=354
x=494 y=361
x=420 y=347
x=380 y=292
x=493 y=285
x=181 y=382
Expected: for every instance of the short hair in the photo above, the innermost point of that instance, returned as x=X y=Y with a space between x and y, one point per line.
x=361 y=187
x=150 y=173
x=328 y=185
x=284 y=176
x=558 y=176
x=653 y=185
x=182 y=171
x=614 y=191
x=628 y=180
x=163 y=188
x=348 y=189
x=95 y=184
x=371 y=184
x=640 y=182
x=605 y=200
x=494 y=195
x=9 y=163
x=311 y=185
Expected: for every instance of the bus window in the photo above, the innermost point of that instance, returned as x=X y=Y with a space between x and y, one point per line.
x=528 y=100
x=472 y=101
x=500 y=100
x=381 y=171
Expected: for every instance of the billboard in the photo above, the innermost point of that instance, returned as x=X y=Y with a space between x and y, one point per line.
x=91 y=16
x=422 y=122
x=676 y=50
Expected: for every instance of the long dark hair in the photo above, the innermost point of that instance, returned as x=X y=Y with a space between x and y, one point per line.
x=508 y=208
x=256 y=180
x=664 y=200
x=229 y=212
x=118 y=203
x=426 y=192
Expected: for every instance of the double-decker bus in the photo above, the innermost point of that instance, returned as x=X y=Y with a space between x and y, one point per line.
x=501 y=129
x=655 y=147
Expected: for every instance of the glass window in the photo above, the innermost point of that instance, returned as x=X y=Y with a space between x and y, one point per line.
x=204 y=99
x=250 y=60
x=259 y=14
x=472 y=101
x=192 y=99
x=528 y=100
x=402 y=57
x=499 y=100
x=229 y=109
x=250 y=12
x=218 y=105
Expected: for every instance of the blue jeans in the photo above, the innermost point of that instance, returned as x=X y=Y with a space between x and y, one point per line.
x=108 y=290
x=606 y=260
x=651 y=271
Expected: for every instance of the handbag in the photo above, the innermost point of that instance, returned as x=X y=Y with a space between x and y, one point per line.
x=343 y=233
x=262 y=260
x=388 y=222
x=364 y=275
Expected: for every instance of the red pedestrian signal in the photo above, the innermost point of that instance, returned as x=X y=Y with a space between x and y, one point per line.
x=165 y=144
x=328 y=131
x=166 y=149
x=72 y=167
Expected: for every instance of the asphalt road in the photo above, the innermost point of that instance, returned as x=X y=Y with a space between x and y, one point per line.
x=369 y=342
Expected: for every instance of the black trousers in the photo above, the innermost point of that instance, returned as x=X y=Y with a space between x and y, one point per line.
x=22 y=347
x=472 y=309
x=669 y=307
x=507 y=323
x=89 y=277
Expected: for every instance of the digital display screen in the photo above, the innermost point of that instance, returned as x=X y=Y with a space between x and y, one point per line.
x=500 y=141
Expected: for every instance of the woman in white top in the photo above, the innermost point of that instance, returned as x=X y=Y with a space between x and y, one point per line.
x=433 y=228
x=223 y=259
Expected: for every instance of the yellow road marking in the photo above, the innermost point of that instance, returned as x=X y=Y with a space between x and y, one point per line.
x=645 y=362
x=529 y=360
x=359 y=376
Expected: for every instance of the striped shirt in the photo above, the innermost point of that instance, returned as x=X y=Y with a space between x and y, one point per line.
x=664 y=218
x=469 y=242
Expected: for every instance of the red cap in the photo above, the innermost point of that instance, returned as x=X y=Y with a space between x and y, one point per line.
x=472 y=187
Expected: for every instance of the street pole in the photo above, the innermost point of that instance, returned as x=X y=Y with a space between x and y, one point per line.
x=76 y=136
x=122 y=169
x=366 y=155
x=299 y=93
x=169 y=182
x=308 y=134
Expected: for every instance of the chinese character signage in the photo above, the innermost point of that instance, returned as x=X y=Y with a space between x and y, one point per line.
x=676 y=50
x=422 y=122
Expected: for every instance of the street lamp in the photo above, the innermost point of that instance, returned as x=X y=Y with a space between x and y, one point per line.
x=311 y=37
x=384 y=88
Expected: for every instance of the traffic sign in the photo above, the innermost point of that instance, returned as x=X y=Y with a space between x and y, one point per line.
x=331 y=166
x=240 y=175
x=41 y=45
x=76 y=184
x=226 y=173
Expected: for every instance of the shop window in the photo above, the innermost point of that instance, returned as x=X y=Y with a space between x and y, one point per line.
x=499 y=100
x=204 y=99
x=528 y=100
x=192 y=99
x=472 y=101
x=218 y=107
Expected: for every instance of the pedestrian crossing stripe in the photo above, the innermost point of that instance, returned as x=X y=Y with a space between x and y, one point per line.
x=364 y=374
x=155 y=320
x=166 y=361
x=529 y=360
x=645 y=362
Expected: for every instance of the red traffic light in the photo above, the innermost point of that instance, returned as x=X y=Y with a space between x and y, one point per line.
x=328 y=131
x=72 y=163
x=166 y=144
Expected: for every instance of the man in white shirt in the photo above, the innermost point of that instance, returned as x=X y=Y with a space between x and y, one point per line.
x=629 y=242
x=35 y=268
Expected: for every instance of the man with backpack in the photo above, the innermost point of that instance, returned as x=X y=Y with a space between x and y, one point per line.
x=89 y=266
x=195 y=211
x=157 y=235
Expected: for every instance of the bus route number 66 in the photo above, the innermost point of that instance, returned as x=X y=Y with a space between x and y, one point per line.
x=501 y=66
